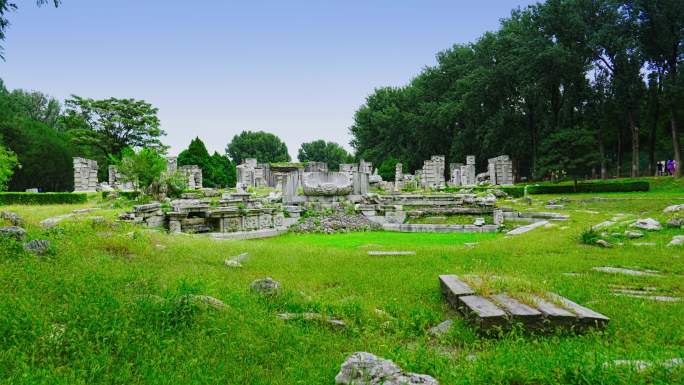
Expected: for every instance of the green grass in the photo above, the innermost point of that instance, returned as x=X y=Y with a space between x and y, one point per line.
x=87 y=315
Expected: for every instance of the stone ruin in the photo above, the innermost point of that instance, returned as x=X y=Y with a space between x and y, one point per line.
x=194 y=175
x=85 y=175
x=117 y=180
x=316 y=167
x=236 y=212
x=251 y=174
x=398 y=177
x=499 y=172
x=432 y=173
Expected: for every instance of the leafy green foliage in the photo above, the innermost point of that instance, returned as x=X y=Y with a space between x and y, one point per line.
x=217 y=169
x=568 y=152
x=142 y=167
x=263 y=146
x=321 y=151
x=111 y=125
x=24 y=198
x=8 y=161
x=387 y=169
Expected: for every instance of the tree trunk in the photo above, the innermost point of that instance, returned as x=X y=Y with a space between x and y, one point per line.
x=635 y=144
x=675 y=143
x=602 y=151
x=618 y=170
x=652 y=144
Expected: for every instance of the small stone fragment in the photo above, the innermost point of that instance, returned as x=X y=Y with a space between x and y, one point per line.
x=15 y=232
x=673 y=209
x=363 y=368
x=236 y=261
x=441 y=329
x=38 y=247
x=604 y=243
x=633 y=234
x=677 y=240
x=649 y=224
x=312 y=317
x=207 y=300
x=675 y=222
x=266 y=286
x=54 y=221
x=13 y=218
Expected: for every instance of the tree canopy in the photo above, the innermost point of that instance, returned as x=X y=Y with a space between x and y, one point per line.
x=263 y=146
x=8 y=161
x=607 y=67
x=217 y=169
x=321 y=151
x=110 y=125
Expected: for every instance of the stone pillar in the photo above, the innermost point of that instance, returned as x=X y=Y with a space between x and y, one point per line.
x=361 y=183
x=85 y=175
x=498 y=217
x=171 y=164
x=398 y=177
x=290 y=183
x=366 y=167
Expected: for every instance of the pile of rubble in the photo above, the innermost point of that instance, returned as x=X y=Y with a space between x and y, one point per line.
x=336 y=223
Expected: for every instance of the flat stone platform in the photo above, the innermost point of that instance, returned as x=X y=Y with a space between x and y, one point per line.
x=501 y=311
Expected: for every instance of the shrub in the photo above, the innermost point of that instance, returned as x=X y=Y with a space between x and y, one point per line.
x=130 y=195
x=589 y=187
x=22 y=198
x=589 y=236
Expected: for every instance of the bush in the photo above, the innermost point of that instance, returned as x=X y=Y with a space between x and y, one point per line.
x=22 y=198
x=589 y=187
x=589 y=236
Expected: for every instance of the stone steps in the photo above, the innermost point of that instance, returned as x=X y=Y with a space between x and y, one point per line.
x=501 y=311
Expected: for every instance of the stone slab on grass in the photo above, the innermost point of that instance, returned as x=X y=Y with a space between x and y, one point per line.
x=620 y=270
x=527 y=228
x=381 y=252
x=500 y=311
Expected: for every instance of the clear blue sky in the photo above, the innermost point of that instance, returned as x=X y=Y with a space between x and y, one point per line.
x=298 y=69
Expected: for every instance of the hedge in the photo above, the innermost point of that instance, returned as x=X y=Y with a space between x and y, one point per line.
x=24 y=198
x=130 y=195
x=590 y=187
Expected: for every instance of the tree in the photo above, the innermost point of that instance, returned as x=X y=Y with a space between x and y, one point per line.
x=7 y=6
x=44 y=153
x=143 y=167
x=388 y=168
x=217 y=170
x=661 y=31
x=35 y=105
x=111 y=125
x=223 y=172
x=263 y=146
x=321 y=151
x=569 y=152
x=8 y=161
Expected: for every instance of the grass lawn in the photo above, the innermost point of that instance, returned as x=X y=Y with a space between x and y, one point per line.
x=89 y=315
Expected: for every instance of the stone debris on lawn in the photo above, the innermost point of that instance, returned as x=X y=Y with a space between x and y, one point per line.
x=554 y=207
x=237 y=260
x=659 y=298
x=207 y=300
x=470 y=244
x=675 y=222
x=602 y=225
x=525 y=229
x=641 y=365
x=619 y=270
x=336 y=223
x=441 y=329
x=479 y=222
x=86 y=210
x=673 y=209
x=644 y=244
x=265 y=286
x=312 y=317
x=38 y=247
x=633 y=234
x=649 y=224
x=375 y=252
x=15 y=232
x=363 y=368
x=54 y=221
x=13 y=218
x=677 y=240
x=604 y=243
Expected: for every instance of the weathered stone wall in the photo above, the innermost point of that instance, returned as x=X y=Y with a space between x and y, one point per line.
x=116 y=180
x=501 y=170
x=432 y=174
x=85 y=175
x=194 y=175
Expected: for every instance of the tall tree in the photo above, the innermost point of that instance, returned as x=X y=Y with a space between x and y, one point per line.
x=8 y=161
x=321 y=151
x=661 y=31
x=110 y=125
x=263 y=146
x=217 y=169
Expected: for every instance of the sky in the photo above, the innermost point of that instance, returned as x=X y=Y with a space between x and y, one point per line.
x=213 y=68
